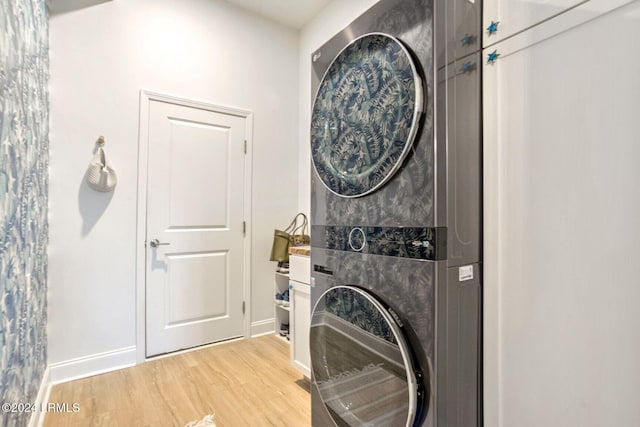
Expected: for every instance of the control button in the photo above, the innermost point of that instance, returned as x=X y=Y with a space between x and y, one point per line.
x=357 y=239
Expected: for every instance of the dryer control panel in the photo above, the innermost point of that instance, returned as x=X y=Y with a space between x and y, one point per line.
x=427 y=243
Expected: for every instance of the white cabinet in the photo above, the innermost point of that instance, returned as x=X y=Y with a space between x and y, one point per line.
x=515 y=16
x=301 y=308
x=300 y=312
x=561 y=213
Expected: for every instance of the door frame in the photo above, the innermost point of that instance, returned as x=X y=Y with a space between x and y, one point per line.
x=146 y=97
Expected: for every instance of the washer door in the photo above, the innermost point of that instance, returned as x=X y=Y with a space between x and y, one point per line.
x=365 y=115
x=360 y=361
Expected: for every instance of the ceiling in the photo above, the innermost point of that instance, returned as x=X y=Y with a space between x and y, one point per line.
x=292 y=13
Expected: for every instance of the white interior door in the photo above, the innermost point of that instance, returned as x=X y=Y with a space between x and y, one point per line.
x=195 y=235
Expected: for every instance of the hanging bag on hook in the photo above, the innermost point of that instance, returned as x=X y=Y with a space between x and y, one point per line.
x=100 y=175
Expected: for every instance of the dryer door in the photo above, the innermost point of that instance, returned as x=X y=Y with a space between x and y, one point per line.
x=361 y=362
x=365 y=115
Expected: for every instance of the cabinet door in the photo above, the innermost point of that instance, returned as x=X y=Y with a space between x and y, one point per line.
x=462 y=21
x=301 y=309
x=561 y=204
x=514 y=16
x=459 y=128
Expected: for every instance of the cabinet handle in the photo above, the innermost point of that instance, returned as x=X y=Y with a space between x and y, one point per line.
x=467 y=67
x=491 y=57
x=493 y=27
x=467 y=40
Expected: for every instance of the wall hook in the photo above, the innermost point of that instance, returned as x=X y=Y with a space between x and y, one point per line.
x=100 y=140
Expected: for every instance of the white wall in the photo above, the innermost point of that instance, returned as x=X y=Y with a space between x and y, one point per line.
x=332 y=19
x=101 y=57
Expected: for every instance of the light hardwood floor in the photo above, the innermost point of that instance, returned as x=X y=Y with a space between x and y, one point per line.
x=244 y=383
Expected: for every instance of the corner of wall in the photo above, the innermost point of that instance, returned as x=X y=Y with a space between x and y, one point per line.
x=38 y=416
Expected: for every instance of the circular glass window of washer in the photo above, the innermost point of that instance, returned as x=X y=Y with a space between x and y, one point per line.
x=365 y=115
x=361 y=362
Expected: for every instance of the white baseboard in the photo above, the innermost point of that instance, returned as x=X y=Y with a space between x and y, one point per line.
x=92 y=365
x=263 y=327
x=37 y=417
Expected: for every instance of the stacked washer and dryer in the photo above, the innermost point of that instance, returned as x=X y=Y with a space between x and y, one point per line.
x=395 y=334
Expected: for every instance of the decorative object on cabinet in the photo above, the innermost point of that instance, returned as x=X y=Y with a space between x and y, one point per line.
x=294 y=234
x=100 y=175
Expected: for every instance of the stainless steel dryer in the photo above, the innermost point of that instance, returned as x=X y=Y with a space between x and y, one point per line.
x=396 y=216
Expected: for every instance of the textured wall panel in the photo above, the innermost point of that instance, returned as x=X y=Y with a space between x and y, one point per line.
x=24 y=157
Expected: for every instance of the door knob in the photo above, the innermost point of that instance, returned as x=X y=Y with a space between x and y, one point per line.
x=155 y=243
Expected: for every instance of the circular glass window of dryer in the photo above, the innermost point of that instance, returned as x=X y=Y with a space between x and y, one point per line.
x=365 y=115
x=360 y=361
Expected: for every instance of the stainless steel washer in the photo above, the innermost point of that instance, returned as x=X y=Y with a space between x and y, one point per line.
x=396 y=218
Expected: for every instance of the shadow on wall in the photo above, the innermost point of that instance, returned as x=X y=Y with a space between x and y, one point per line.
x=92 y=204
x=64 y=6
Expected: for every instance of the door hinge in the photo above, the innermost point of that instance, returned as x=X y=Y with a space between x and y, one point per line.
x=244 y=228
x=243 y=306
x=245 y=146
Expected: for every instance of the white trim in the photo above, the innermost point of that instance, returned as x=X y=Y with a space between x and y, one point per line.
x=263 y=327
x=189 y=350
x=93 y=364
x=248 y=182
x=141 y=227
x=492 y=251
x=37 y=417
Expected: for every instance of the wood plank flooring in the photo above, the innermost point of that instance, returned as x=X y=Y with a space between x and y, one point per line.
x=244 y=383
